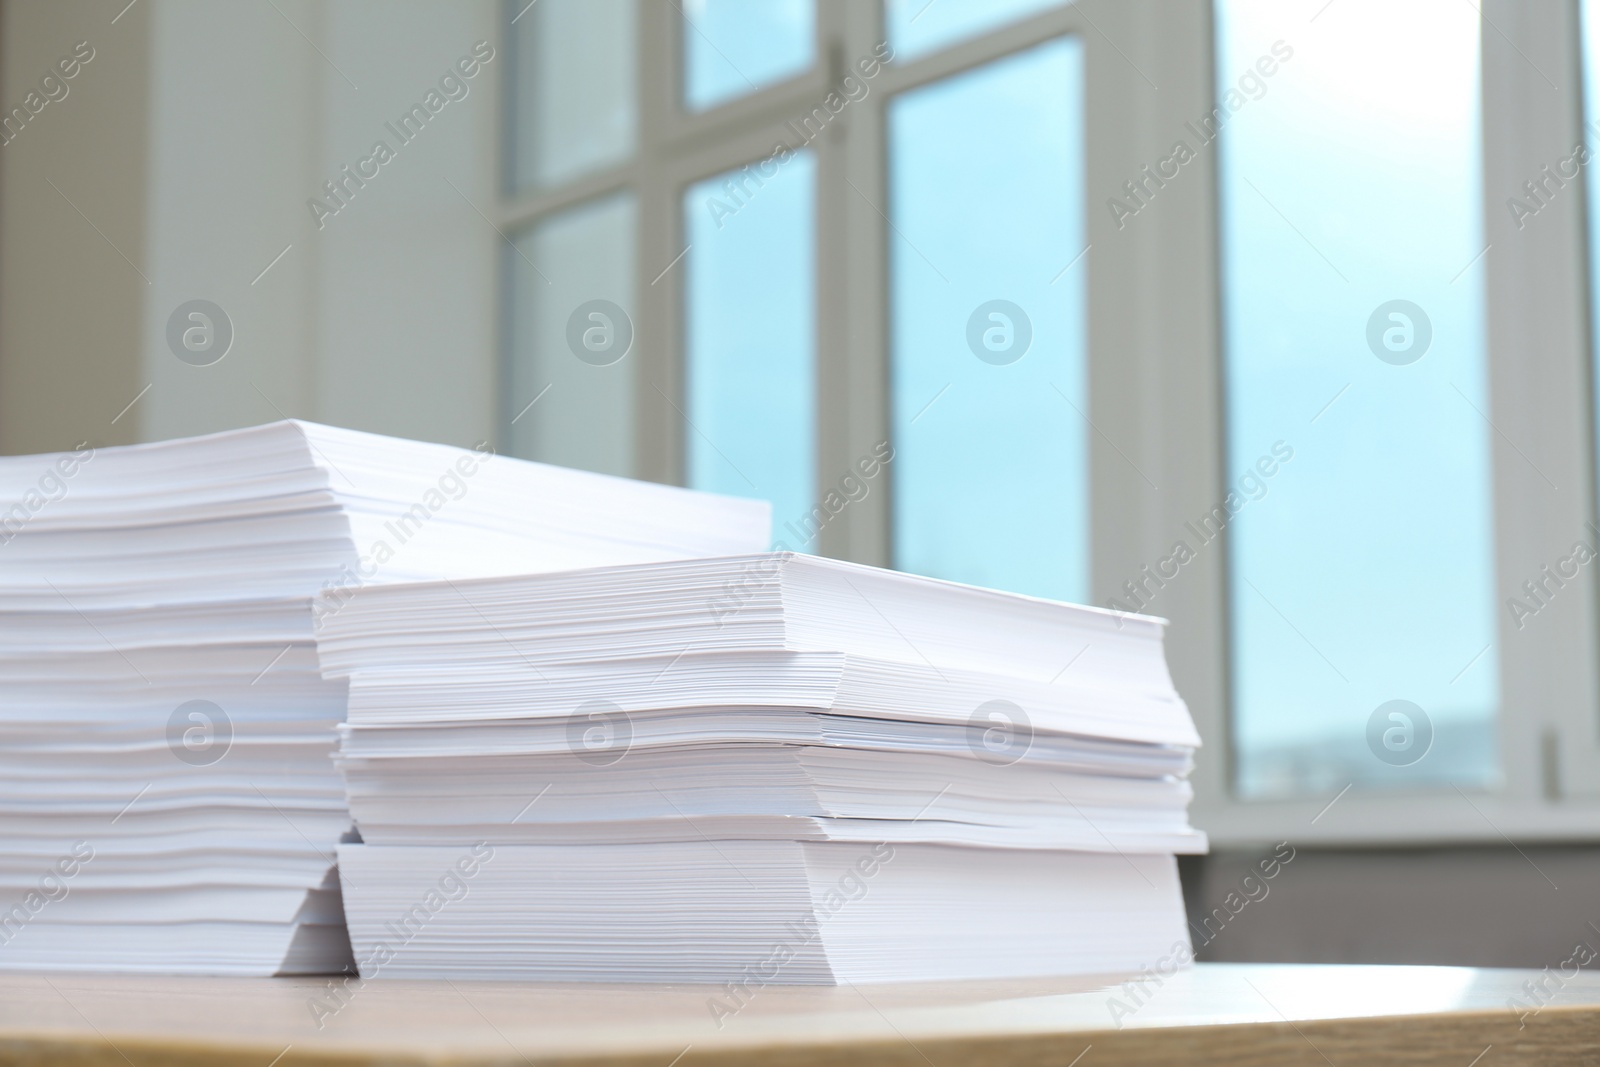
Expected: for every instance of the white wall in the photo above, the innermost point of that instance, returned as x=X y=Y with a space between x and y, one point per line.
x=208 y=128
x=70 y=304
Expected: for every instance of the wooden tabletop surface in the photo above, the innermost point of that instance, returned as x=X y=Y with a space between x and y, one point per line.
x=1234 y=1014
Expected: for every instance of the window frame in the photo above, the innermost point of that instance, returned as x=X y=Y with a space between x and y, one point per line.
x=1155 y=350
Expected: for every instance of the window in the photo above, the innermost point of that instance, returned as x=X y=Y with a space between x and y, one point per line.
x=734 y=47
x=918 y=27
x=1271 y=317
x=702 y=286
x=573 y=88
x=571 y=277
x=1411 y=625
x=987 y=362
x=749 y=342
x=1358 y=451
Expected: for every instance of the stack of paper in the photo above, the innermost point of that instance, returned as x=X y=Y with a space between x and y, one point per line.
x=685 y=771
x=167 y=797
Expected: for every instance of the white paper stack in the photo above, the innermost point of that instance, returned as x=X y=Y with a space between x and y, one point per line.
x=686 y=771
x=167 y=797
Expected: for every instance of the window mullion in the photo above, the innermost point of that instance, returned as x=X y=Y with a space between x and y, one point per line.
x=850 y=285
x=1154 y=357
x=658 y=290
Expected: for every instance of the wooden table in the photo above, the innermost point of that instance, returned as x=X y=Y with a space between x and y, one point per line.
x=1229 y=1014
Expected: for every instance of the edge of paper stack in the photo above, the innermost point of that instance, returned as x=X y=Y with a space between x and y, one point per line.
x=168 y=800
x=756 y=769
x=553 y=725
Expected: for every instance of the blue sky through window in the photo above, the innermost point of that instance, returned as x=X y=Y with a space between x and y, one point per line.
x=1353 y=298
x=749 y=329
x=987 y=284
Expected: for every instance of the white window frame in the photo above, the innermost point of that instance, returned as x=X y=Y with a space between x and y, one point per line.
x=1155 y=361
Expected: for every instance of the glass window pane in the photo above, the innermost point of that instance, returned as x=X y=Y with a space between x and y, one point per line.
x=989 y=388
x=917 y=27
x=749 y=313
x=732 y=48
x=572 y=89
x=571 y=324
x=1358 y=437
